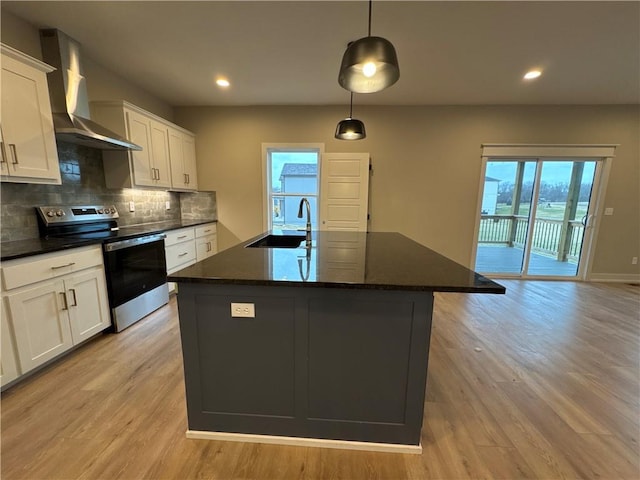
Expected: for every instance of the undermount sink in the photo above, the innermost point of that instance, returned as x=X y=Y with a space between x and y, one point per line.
x=278 y=241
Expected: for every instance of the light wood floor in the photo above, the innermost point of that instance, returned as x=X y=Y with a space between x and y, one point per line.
x=540 y=383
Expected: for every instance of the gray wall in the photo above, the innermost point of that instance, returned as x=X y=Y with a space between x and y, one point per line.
x=426 y=165
x=83 y=184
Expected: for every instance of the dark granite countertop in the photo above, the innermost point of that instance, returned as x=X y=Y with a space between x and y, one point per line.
x=36 y=246
x=374 y=260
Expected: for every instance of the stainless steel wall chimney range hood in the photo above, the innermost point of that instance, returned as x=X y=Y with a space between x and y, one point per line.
x=69 y=100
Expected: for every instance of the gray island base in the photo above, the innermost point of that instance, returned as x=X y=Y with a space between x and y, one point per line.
x=336 y=353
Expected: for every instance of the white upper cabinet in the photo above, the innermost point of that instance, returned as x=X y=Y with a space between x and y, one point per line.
x=149 y=166
x=153 y=166
x=182 y=150
x=28 y=151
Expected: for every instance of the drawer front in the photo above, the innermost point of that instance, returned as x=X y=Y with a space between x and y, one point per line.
x=25 y=271
x=180 y=255
x=177 y=236
x=204 y=230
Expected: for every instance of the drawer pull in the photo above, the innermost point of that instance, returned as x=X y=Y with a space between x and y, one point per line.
x=182 y=236
x=12 y=146
x=75 y=300
x=64 y=299
x=183 y=254
x=207 y=231
x=62 y=266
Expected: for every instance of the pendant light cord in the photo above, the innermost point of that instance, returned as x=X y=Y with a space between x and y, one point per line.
x=351 y=106
x=370 y=4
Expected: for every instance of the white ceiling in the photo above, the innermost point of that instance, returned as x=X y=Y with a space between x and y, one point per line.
x=288 y=53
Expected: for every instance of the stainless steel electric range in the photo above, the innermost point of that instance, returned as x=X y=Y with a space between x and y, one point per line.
x=135 y=263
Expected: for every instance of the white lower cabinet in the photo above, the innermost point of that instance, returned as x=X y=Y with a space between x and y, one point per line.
x=206 y=241
x=40 y=323
x=52 y=302
x=180 y=249
x=85 y=291
x=9 y=369
x=186 y=246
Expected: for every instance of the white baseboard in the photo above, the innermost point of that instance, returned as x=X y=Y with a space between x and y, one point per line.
x=615 y=277
x=305 y=442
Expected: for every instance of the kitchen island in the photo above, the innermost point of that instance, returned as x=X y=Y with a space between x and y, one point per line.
x=324 y=345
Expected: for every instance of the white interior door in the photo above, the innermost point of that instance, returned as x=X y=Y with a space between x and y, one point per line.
x=344 y=191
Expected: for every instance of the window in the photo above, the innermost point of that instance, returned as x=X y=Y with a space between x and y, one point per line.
x=291 y=173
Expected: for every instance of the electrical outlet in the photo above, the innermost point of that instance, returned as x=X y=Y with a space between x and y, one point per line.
x=132 y=207
x=634 y=261
x=247 y=310
x=608 y=211
x=168 y=205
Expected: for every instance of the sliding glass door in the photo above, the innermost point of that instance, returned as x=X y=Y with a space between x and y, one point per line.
x=534 y=215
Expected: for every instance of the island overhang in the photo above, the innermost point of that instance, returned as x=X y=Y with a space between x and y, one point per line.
x=373 y=260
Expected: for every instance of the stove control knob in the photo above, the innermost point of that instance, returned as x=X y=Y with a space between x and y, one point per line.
x=50 y=213
x=60 y=213
x=113 y=210
x=100 y=211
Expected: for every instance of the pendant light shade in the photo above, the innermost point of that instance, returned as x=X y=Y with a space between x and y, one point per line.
x=350 y=128
x=369 y=64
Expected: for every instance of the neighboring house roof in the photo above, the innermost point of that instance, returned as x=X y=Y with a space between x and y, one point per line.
x=299 y=170
x=491 y=179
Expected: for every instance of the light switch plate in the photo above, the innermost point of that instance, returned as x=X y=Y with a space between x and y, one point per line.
x=608 y=211
x=246 y=310
x=132 y=207
x=168 y=205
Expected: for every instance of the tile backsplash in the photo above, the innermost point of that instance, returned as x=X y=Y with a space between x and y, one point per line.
x=83 y=184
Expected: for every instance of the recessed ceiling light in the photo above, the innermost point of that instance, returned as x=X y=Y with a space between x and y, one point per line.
x=222 y=82
x=530 y=75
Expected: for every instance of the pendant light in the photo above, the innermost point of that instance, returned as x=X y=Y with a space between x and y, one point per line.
x=369 y=64
x=350 y=128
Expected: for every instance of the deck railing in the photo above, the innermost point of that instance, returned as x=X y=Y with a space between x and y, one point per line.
x=548 y=235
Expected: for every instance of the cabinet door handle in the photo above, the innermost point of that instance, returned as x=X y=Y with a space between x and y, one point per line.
x=185 y=178
x=183 y=254
x=64 y=299
x=75 y=300
x=12 y=146
x=62 y=266
x=158 y=170
x=153 y=173
x=188 y=179
x=4 y=153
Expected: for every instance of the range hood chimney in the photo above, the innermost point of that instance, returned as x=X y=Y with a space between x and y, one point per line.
x=69 y=100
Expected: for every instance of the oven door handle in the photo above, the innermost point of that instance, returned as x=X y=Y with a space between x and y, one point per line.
x=132 y=242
